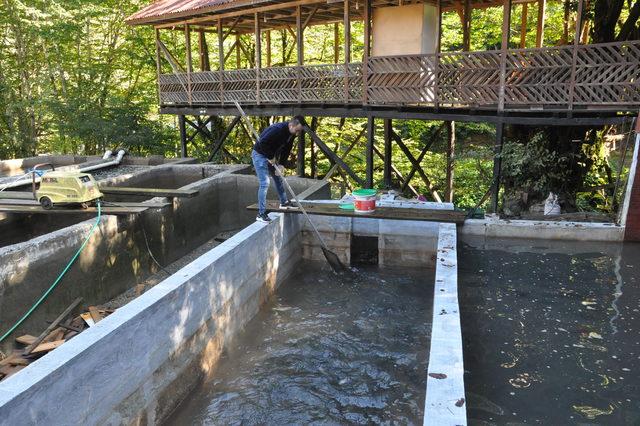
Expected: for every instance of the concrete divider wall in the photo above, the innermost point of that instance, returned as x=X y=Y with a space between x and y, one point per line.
x=116 y=257
x=136 y=365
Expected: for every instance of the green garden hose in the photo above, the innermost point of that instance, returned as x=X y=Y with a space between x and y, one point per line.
x=57 y=281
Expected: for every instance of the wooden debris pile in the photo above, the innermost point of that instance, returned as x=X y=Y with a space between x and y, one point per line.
x=63 y=328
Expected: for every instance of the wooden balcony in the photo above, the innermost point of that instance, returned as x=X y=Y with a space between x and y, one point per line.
x=600 y=77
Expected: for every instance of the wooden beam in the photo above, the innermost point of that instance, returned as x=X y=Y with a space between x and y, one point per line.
x=158 y=64
x=388 y=154
x=523 y=26
x=371 y=140
x=223 y=138
x=335 y=167
x=397 y=172
x=417 y=165
x=331 y=155
x=451 y=150
x=231 y=28
x=311 y=15
x=299 y=50
x=540 y=23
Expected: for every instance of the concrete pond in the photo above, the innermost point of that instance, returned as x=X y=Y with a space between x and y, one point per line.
x=432 y=325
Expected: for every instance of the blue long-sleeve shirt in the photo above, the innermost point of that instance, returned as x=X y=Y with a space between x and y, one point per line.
x=275 y=141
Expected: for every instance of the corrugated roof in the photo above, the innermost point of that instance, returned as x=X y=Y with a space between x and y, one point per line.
x=168 y=9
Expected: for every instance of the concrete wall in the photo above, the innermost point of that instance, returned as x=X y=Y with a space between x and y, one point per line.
x=136 y=365
x=400 y=242
x=116 y=257
x=404 y=30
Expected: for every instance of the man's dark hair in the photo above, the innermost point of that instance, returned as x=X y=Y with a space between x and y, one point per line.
x=298 y=119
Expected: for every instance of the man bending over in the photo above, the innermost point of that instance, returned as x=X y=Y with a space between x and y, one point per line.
x=272 y=150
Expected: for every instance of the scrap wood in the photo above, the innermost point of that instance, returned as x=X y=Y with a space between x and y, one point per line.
x=53 y=325
x=27 y=339
x=46 y=347
x=95 y=314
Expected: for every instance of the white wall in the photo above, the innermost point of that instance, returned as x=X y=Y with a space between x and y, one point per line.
x=404 y=30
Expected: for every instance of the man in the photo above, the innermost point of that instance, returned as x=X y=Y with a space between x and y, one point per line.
x=271 y=151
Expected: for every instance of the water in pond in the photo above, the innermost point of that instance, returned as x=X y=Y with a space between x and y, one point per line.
x=326 y=351
x=551 y=333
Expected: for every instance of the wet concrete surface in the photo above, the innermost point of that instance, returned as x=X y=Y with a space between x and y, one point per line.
x=551 y=332
x=326 y=351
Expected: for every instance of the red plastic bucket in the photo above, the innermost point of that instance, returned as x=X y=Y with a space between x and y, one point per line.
x=364 y=200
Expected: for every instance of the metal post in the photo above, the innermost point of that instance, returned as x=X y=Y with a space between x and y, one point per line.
x=183 y=136
x=371 y=130
x=388 y=125
x=497 y=166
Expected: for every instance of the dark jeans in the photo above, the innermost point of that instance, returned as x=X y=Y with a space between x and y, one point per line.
x=263 y=170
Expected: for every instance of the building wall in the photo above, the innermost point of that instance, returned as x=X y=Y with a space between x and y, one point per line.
x=404 y=30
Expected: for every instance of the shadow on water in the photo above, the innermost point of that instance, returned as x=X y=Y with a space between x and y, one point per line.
x=551 y=333
x=328 y=350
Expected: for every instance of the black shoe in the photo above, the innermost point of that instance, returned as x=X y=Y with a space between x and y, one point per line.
x=263 y=218
x=288 y=205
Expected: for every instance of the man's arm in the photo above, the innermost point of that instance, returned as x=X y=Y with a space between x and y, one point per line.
x=283 y=157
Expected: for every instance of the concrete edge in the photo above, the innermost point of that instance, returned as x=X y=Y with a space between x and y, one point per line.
x=445 y=402
x=630 y=181
x=18 y=391
x=551 y=230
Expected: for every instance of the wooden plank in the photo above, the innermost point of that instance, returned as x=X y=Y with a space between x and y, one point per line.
x=53 y=325
x=5 y=208
x=323 y=209
x=95 y=314
x=540 y=24
x=47 y=347
x=26 y=339
x=154 y=192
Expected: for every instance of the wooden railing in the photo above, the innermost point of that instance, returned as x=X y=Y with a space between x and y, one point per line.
x=590 y=76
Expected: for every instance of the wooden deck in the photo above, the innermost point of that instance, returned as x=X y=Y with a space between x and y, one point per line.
x=448 y=216
x=598 y=77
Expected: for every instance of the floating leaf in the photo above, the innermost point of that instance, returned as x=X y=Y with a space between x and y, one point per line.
x=592 y=412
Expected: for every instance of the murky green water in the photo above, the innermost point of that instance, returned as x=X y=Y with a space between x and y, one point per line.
x=551 y=332
x=326 y=351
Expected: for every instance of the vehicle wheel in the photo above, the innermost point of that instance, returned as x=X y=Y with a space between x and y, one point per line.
x=46 y=203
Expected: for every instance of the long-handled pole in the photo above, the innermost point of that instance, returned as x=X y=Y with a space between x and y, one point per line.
x=331 y=257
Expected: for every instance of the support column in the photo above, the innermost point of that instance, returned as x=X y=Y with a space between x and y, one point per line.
x=367 y=51
x=187 y=35
x=183 y=136
x=388 y=153
x=574 y=59
x=336 y=43
x=451 y=152
x=258 y=53
x=301 y=148
x=268 y=34
x=540 y=29
x=466 y=26
x=347 y=49
x=506 y=26
x=203 y=51
x=371 y=134
x=221 y=59
x=497 y=167
x=299 y=48
x=523 y=26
